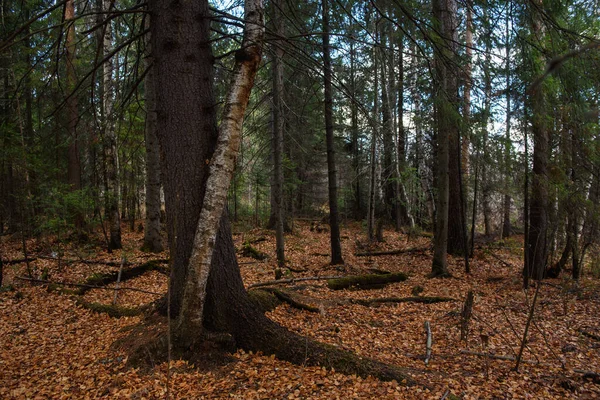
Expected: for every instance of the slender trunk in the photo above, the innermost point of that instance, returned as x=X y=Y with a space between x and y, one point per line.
x=446 y=100
x=74 y=162
x=336 y=248
x=357 y=206
x=538 y=218
x=278 y=121
x=375 y=128
x=110 y=138
x=485 y=179
x=466 y=137
x=506 y=225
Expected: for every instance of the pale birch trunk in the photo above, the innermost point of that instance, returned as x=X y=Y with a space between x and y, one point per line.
x=221 y=167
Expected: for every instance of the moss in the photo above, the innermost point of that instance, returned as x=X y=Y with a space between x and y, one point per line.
x=249 y=251
x=263 y=299
x=114 y=311
x=369 y=281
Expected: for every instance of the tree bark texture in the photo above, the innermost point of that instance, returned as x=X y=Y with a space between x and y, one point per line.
x=449 y=224
x=152 y=237
x=336 y=247
x=278 y=123
x=110 y=136
x=538 y=218
x=74 y=164
x=221 y=167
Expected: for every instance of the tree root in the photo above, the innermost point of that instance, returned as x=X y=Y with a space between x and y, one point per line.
x=416 y=299
x=369 y=281
x=268 y=303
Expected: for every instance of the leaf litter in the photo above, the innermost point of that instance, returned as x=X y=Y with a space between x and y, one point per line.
x=54 y=348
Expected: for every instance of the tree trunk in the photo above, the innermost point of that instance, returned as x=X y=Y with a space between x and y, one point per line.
x=538 y=219
x=357 y=204
x=375 y=128
x=110 y=137
x=278 y=131
x=74 y=163
x=485 y=179
x=506 y=225
x=152 y=237
x=448 y=234
x=336 y=248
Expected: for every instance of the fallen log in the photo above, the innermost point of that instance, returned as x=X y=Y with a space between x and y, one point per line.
x=415 y=299
x=369 y=281
x=292 y=280
x=113 y=310
x=18 y=260
x=83 y=285
x=95 y=262
x=392 y=252
x=589 y=334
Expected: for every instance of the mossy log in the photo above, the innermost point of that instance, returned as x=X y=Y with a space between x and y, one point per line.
x=249 y=251
x=392 y=252
x=416 y=299
x=112 y=310
x=126 y=274
x=369 y=281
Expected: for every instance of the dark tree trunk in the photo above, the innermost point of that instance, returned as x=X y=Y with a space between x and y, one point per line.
x=538 y=208
x=152 y=237
x=449 y=229
x=278 y=132
x=336 y=248
x=357 y=204
x=74 y=163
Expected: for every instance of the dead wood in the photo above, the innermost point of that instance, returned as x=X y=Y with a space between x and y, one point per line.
x=113 y=310
x=465 y=316
x=250 y=251
x=590 y=335
x=95 y=262
x=392 y=252
x=369 y=281
x=54 y=284
x=292 y=280
x=415 y=299
x=18 y=260
x=292 y=299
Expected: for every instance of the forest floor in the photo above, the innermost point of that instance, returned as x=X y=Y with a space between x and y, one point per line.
x=53 y=347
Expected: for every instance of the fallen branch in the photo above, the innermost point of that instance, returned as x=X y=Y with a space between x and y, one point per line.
x=94 y=262
x=112 y=310
x=292 y=280
x=18 y=260
x=497 y=356
x=415 y=299
x=288 y=298
x=505 y=263
x=590 y=335
x=83 y=285
x=428 y=342
x=392 y=252
x=370 y=281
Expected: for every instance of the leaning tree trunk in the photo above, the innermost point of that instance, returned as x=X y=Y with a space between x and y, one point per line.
x=336 y=247
x=152 y=237
x=110 y=137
